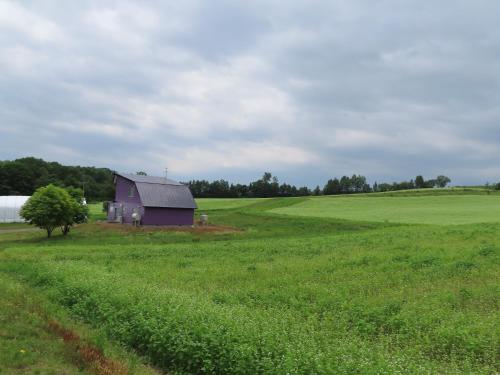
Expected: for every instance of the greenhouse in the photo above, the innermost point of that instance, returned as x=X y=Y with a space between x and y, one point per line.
x=10 y=207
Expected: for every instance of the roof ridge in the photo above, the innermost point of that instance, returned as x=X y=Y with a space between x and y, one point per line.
x=148 y=179
x=159 y=183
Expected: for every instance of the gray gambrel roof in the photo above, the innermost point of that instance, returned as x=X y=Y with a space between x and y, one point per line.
x=148 y=179
x=161 y=192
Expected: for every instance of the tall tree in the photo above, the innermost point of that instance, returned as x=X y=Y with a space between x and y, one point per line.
x=442 y=181
x=419 y=182
x=332 y=187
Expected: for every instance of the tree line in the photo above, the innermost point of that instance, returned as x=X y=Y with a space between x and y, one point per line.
x=269 y=186
x=23 y=176
x=419 y=183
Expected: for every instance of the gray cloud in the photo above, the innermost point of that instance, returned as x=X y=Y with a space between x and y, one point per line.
x=306 y=89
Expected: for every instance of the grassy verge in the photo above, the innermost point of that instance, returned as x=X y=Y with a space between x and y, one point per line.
x=36 y=337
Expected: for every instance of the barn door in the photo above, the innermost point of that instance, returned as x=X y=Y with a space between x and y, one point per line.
x=112 y=212
x=119 y=213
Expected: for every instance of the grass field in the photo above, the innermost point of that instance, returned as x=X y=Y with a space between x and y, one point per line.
x=441 y=209
x=225 y=203
x=284 y=293
x=96 y=212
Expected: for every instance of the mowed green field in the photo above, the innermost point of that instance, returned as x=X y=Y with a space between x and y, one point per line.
x=225 y=203
x=282 y=294
x=439 y=209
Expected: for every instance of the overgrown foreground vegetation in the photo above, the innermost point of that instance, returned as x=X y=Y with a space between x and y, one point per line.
x=38 y=337
x=285 y=295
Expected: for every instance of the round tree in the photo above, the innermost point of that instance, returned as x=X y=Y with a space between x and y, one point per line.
x=48 y=208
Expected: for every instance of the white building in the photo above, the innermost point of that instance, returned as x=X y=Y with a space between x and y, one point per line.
x=10 y=206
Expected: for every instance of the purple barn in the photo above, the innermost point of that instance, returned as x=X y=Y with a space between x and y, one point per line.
x=158 y=201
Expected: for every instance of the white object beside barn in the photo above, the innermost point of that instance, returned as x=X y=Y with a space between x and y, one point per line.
x=10 y=206
x=204 y=219
x=136 y=218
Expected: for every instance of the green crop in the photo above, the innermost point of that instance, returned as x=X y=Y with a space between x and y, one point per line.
x=284 y=294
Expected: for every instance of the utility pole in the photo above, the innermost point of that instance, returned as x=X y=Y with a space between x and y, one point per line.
x=166 y=173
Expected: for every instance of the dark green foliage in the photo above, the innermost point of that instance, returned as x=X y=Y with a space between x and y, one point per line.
x=80 y=209
x=51 y=207
x=419 y=182
x=347 y=185
x=48 y=208
x=267 y=186
x=105 y=206
x=332 y=187
x=442 y=181
x=24 y=176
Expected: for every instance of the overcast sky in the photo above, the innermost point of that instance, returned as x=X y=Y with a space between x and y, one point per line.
x=225 y=89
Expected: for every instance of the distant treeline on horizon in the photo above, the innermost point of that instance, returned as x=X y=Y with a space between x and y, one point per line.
x=23 y=176
x=269 y=186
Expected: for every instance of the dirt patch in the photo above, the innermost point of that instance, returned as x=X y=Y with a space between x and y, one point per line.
x=6 y=230
x=91 y=356
x=196 y=229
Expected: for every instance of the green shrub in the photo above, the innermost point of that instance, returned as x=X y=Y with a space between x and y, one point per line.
x=48 y=208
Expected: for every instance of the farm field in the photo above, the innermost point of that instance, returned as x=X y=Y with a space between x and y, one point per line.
x=440 y=209
x=225 y=203
x=289 y=291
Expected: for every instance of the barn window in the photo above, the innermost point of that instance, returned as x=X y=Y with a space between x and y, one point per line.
x=131 y=191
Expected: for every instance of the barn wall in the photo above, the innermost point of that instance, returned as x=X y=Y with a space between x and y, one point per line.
x=121 y=197
x=168 y=216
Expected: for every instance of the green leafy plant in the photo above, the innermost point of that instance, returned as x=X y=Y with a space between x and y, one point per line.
x=80 y=209
x=50 y=207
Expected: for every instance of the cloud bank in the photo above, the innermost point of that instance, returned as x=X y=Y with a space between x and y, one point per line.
x=305 y=89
